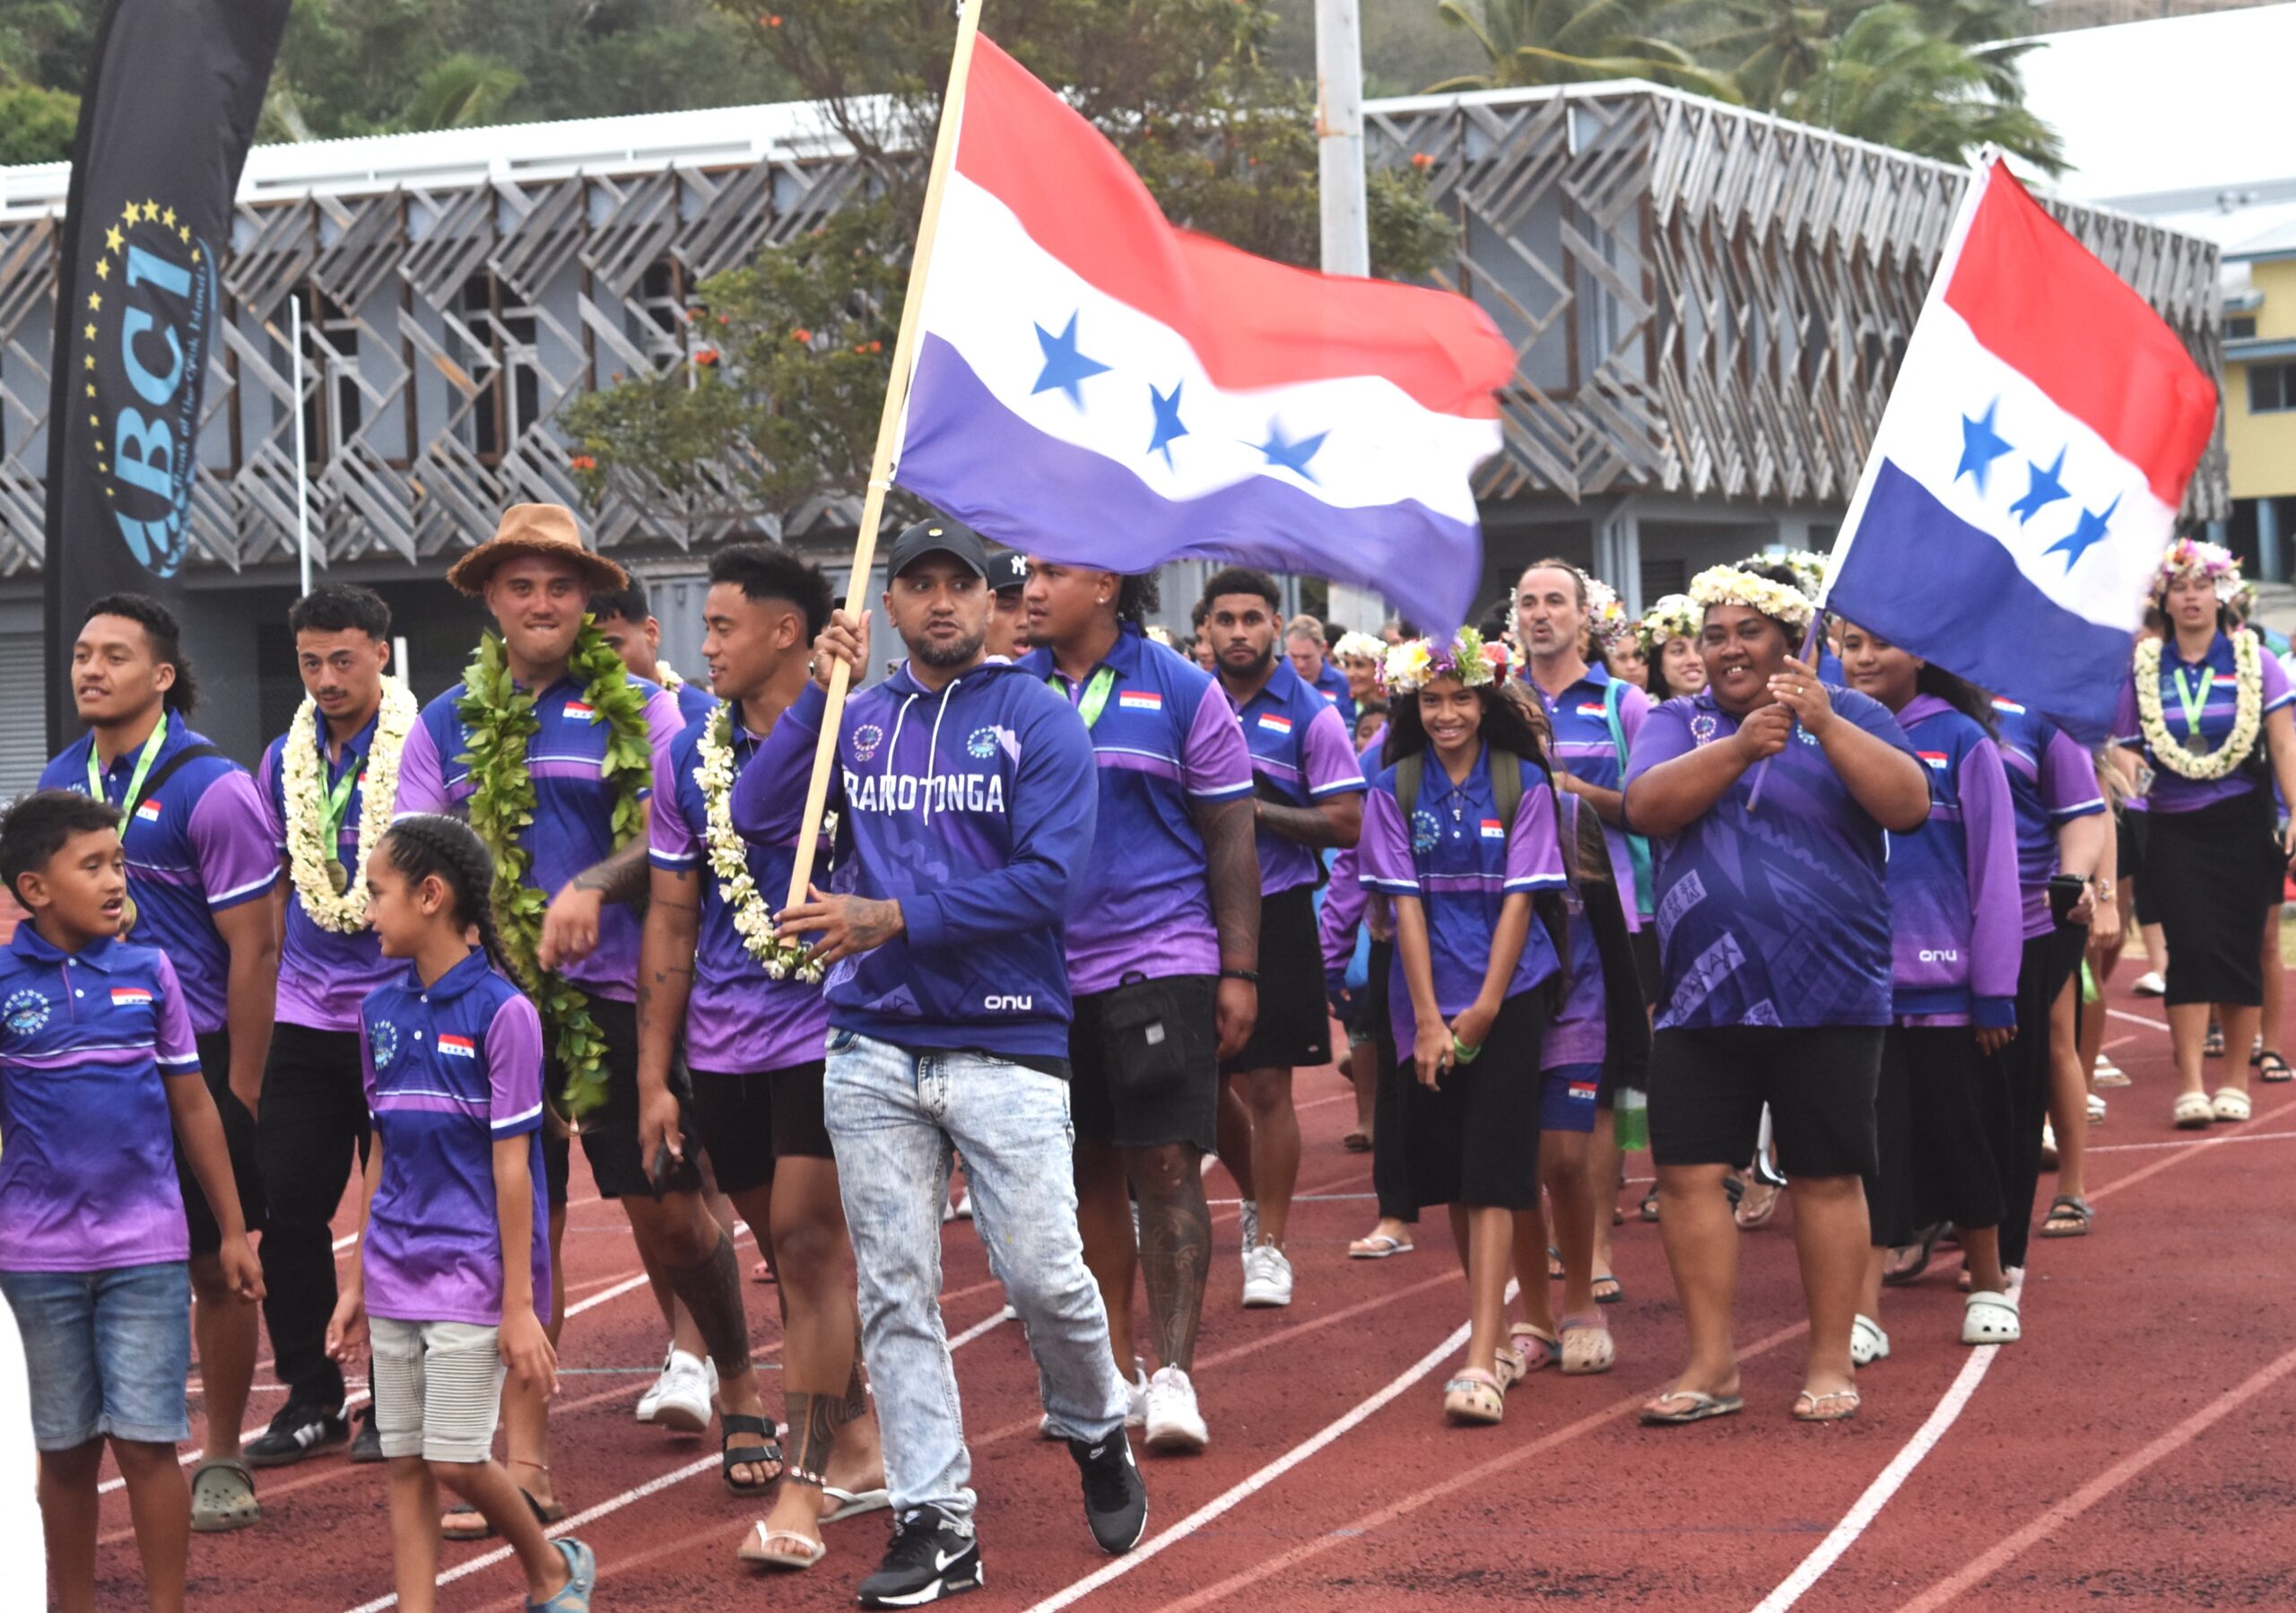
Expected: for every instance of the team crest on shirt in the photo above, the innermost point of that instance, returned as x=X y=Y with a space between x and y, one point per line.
x=24 y=1013
x=382 y=1043
x=1803 y=735
x=457 y=1046
x=1426 y=831
x=130 y=996
x=867 y=738
x=1703 y=726
x=984 y=743
x=149 y=812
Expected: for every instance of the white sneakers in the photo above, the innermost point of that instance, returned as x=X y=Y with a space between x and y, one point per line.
x=1174 y=1423
x=2096 y=1110
x=683 y=1397
x=2151 y=984
x=1267 y=1277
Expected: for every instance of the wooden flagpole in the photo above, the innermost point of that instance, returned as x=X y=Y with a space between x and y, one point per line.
x=889 y=425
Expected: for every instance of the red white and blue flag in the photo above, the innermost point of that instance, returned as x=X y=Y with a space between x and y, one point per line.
x=2028 y=467
x=1099 y=387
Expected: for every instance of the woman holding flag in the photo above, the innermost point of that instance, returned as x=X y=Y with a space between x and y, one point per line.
x=2209 y=709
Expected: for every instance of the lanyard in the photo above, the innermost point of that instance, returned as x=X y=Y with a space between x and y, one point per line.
x=1096 y=694
x=149 y=754
x=337 y=806
x=2193 y=705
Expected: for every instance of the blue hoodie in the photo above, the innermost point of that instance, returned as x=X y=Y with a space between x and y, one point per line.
x=974 y=808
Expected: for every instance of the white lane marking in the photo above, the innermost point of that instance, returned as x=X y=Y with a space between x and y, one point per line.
x=1845 y=1534
x=2238 y=1136
x=1233 y=1497
x=2158 y=1024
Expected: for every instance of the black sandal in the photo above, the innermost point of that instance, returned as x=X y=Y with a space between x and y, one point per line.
x=2069 y=1215
x=1617 y=1290
x=1650 y=1205
x=2272 y=1067
x=555 y=1513
x=1928 y=1244
x=765 y=1451
x=1733 y=1187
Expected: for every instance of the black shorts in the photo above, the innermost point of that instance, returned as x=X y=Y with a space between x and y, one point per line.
x=610 y=1132
x=748 y=1120
x=1645 y=962
x=1708 y=1088
x=1293 y=1031
x=1475 y=1138
x=1937 y=1111
x=1150 y=1075
x=238 y=1140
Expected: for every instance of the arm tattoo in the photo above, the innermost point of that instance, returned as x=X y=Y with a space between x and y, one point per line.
x=620 y=878
x=1232 y=865
x=1302 y=825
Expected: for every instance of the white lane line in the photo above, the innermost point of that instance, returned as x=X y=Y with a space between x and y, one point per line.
x=2238 y=1136
x=1231 y=1498
x=1845 y=1534
x=2158 y=1024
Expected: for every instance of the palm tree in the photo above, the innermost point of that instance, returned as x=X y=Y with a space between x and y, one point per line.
x=1767 y=47
x=1889 y=79
x=462 y=91
x=1572 y=41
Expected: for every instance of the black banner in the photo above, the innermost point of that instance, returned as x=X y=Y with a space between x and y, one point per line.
x=168 y=112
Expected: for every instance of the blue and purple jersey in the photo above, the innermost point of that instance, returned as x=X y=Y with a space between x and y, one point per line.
x=2213 y=685
x=574 y=802
x=197 y=846
x=1304 y=753
x=1164 y=740
x=324 y=974
x=738 y=1019
x=1346 y=904
x=695 y=702
x=972 y=806
x=87 y=1175
x=1462 y=860
x=1780 y=917
x=2052 y=781
x=1585 y=748
x=1955 y=908
x=1580 y=1030
x=451 y=1069
x=1331 y=683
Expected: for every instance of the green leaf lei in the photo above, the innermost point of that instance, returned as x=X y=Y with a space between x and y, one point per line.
x=500 y=718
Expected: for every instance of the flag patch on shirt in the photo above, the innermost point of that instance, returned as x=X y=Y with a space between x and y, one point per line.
x=130 y=996
x=579 y=711
x=1937 y=759
x=1141 y=700
x=2009 y=706
x=1582 y=1091
x=149 y=812
x=458 y=1047
x=1275 y=723
x=1492 y=829
x=1596 y=709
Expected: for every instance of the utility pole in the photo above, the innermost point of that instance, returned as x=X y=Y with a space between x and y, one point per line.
x=1339 y=135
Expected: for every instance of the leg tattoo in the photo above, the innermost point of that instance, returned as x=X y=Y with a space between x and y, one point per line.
x=814 y=1422
x=1175 y=1249
x=712 y=1292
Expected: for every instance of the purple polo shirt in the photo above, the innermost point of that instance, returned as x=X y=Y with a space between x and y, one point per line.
x=2052 y=780
x=2173 y=792
x=1165 y=739
x=1955 y=909
x=1462 y=861
x=1584 y=749
x=1780 y=917
x=88 y=1175
x=573 y=826
x=1303 y=751
x=1580 y=1033
x=324 y=974
x=694 y=701
x=1331 y=683
x=1346 y=904
x=738 y=1020
x=450 y=1069
x=197 y=846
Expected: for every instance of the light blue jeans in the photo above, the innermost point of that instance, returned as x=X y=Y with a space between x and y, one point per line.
x=894 y=1113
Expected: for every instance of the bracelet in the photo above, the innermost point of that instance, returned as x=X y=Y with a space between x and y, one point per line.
x=1248 y=976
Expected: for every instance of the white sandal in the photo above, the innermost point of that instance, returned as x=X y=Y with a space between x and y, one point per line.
x=1588 y=1346
x=1867 y=1342
x=2230 y=1103
x=2193 y=1112
x=1991 y=1318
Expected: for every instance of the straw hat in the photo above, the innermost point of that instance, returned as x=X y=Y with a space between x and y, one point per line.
x=544 y=529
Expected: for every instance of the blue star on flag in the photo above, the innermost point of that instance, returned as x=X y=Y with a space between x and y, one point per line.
x=1065 y=368
x=1168 y=420
x=1981 y=445
x=2089 y=531
x=1291 y=456
x=2045 y=488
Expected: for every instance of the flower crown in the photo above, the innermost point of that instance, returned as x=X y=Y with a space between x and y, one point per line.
x=1355 y=646
x=1727 y=585
x=1605 y=616
x=1808 y=566
x=2188 y=556
x=1675 y=616
x=1411 y=665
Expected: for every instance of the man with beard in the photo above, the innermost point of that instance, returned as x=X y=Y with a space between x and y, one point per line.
x=580 y=779
x=1309 y=795
x=966 y=801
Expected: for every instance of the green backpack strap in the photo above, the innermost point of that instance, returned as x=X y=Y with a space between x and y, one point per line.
x=1637 y=847
x=1506 y=786
x=1410 y=772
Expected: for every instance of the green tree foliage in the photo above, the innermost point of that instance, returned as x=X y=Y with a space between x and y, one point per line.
x=1573 y=42
x=1889 y=79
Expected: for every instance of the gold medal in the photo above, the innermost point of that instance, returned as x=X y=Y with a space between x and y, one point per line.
x=338 y=875
x=126 y=914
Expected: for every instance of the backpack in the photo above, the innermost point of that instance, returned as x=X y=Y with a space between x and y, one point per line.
x=1637 y=847
x=1507 y=791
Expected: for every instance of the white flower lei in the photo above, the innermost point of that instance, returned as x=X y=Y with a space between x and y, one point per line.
x=729 y=856
x=668 y=676
x=307 y=852
x=2247 y=713
x=1727 y=585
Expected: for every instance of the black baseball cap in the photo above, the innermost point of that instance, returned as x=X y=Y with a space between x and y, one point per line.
x=1008 y=569
x=939 y=536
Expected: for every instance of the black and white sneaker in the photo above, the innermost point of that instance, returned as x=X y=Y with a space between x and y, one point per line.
x=367 y=1444
x=1116 y=1503
x=300 y=1430
x=930 y=1557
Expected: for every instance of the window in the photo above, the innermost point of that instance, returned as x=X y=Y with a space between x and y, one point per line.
x=334 y=405
x=1664 y=577
x=2272 y=388
x=2239 y=327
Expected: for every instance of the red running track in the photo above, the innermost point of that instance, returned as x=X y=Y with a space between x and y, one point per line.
x=2130 y=1451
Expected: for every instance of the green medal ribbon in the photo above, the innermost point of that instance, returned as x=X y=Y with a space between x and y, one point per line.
x=150 y=753
x=2192 y=704
x=1096 y=694
x=337 y=806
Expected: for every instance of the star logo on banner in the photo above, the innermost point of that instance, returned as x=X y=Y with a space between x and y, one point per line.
x=1167 y=428
x=1981 y=445
x=1065 y=370
x=2091 y=530
x=2043 y=489
x=1291 y=456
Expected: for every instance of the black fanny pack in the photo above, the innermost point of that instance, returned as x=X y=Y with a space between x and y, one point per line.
x=1152 y=1032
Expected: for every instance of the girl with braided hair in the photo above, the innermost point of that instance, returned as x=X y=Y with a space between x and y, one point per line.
x=454 y=1260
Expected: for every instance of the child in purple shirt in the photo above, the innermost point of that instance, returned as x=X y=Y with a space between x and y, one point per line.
x=1462 y=849
x=95 y=1048
x=453 y=1274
